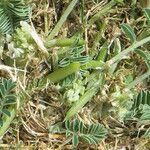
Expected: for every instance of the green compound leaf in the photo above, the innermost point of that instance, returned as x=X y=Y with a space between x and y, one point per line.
x=142 y=98
x=11 y=13
x=91 y=133
x=77 y=131
x=145 y=113
x=7 y=98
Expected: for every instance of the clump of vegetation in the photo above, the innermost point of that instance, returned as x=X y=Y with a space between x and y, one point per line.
x=75 y=74
x=11 y=13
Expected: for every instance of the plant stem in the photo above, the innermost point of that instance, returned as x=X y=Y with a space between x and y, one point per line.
x=131 y=48
x=81 y=102
x=88 y=95
x=63 y=18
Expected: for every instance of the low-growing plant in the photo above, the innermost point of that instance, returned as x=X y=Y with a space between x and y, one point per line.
x=78 y=131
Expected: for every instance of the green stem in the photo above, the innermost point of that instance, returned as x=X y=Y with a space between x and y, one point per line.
x=138 y=80
x=63 y=42
x=62 y=73
x=62 y=20
x=88 y=95
x=131 y=48
x=77 y=106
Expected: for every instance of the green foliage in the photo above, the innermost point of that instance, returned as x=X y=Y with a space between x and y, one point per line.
x=142 y=98
x=75 y=54
x=62 y=73
x=7 y=98
x=140 y=110
x=20 y=46
x=64 y=42
x=129 y=32
x=78 y=75
x=24 y=40
x=145 y=113
x=75 y=92
x=103 y=52
x=145 y=55
x=11 y=13
x=78 y=105
x=147 y=133
x=93 y=83
x=90 y=133
x=147 y=14
x=138 y=107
